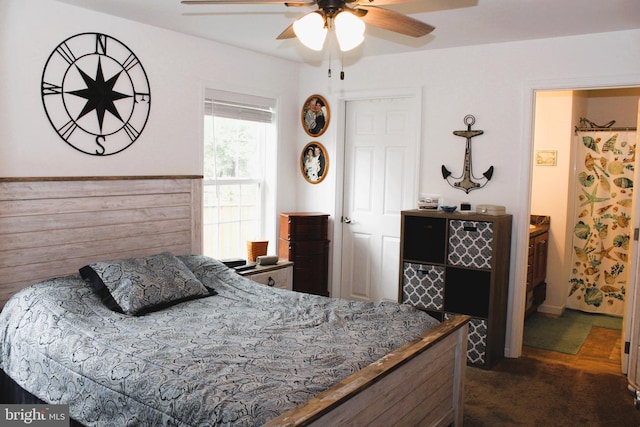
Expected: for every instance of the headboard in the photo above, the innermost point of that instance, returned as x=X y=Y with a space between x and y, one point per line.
x=50 y=227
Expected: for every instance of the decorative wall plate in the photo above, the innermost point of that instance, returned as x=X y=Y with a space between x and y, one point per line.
x=96 y=94
x=315 y=115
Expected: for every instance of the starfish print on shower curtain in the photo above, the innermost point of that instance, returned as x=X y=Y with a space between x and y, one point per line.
x=591 y=199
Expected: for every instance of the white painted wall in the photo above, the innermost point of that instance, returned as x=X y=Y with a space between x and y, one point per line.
x=551 y=189
x=620 y=105
x=179 y=67
x=495 y=83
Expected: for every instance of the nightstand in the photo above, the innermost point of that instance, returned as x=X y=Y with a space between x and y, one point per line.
x=278 y=275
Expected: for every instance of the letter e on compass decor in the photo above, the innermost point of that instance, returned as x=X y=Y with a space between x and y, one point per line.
x=96 y=94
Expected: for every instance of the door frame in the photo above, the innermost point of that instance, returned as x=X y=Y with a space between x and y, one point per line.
x=520 y=250
x=411 y=92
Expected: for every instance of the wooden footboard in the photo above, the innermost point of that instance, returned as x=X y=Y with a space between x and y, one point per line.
x=421 y=383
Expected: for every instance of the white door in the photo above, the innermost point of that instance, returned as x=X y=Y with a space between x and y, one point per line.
x=380 y=170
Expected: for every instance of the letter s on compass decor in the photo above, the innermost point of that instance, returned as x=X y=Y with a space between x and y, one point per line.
x=96 y=94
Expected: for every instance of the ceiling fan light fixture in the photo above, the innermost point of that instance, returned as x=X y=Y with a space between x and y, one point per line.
x=311 y=30
x=349 y=30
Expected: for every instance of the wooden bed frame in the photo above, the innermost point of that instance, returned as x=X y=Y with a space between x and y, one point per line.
x=50 y=227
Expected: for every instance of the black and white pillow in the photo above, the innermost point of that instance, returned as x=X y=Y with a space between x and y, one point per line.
x=136 y=286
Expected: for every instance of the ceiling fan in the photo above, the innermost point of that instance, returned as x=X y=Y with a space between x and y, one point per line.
x=347 y=17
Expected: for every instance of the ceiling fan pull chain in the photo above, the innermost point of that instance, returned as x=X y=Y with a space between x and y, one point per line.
x=329 y=73
x=342 y=66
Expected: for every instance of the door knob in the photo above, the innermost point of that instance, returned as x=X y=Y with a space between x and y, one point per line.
x=346 y=220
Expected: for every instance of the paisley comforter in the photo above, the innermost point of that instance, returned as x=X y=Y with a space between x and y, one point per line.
x=240 y=357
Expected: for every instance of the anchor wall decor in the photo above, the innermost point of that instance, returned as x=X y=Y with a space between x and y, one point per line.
x=467 y=178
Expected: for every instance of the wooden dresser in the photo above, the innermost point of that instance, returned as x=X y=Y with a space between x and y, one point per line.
x=303 y=240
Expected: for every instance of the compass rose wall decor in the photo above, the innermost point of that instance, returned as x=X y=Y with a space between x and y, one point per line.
x=96 y=94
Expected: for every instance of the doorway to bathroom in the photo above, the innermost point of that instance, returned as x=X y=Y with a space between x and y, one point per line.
x=555 y=178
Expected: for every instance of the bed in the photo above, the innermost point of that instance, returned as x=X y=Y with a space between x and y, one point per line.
x=306 y=359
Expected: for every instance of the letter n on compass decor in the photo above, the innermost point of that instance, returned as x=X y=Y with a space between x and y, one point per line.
x=96 y=94
x=466 y=180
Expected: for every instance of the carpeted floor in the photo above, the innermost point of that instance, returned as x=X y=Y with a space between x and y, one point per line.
x=565 y=333
x=528 y=392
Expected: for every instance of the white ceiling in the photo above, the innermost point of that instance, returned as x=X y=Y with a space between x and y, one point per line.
x=457 y=22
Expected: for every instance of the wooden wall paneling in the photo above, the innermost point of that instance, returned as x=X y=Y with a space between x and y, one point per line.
x=196 y=216
x=50 y=228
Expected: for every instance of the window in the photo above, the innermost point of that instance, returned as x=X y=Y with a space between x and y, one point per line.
x=239 y=138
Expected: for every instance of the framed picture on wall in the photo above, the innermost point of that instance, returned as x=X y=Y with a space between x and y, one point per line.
x=546 y=158
x=314 y=162
x=315 y=115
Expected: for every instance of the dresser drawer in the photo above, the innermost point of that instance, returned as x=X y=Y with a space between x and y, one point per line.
x=477 y=340
x=281 y=278
x=470 y=243
x=279 y=275
x=423 y=286
x=296 y=226
x=312 y=248
x=424 y=239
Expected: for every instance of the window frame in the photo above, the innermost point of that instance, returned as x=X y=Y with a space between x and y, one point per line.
x=265 y=182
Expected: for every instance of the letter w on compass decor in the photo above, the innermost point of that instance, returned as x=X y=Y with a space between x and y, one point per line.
x=96 y=94
x=467 y=178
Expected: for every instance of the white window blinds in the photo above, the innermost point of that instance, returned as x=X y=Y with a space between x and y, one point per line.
x=239 y=106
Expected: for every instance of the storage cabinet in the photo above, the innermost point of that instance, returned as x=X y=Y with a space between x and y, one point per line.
x=303 y=240
x=459 y=264
x=537 y=271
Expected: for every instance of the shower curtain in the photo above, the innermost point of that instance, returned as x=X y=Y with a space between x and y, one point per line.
x=602 y=227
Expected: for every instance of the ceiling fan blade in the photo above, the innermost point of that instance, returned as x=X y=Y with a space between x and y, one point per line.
x=205 y=2
x=394 y=21
x=299 y=3
x=287 y=33
x=377 y=2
